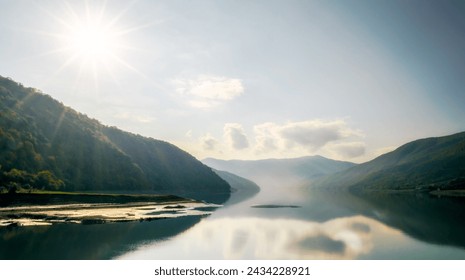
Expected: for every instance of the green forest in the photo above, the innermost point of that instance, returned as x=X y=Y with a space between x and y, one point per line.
x=436 y=163
x=46 y=145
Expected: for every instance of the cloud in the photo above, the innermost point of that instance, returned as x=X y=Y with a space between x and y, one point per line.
x=310 y=135
x=259 y=238
x=350 y=149
x=207 y=91
x=314 y=134
x=235 y=136
x=334 y=139
x=266 y=137
x=322 y=243
x=209 y=143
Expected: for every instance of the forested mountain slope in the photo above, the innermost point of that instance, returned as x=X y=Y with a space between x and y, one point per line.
x=45 y=144
x=431 y=163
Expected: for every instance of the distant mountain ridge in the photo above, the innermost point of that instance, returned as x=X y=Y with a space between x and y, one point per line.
x=431 y=163
x=292 y=171
x=39 y=133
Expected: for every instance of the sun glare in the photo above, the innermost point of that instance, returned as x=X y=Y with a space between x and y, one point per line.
x=92 y=38
x=92 y=41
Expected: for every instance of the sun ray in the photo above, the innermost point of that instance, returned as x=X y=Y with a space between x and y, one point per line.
x=60 y=69
x=24 y=100
x=87 y=10
x=135 y=70
x=116 y=18
x=44 y=54
x=92 y=40
x=102 y=9
x=139 y=27
x=58 y=125
x=78 y=77
x=60 y=21
x=128 y=66
x=70 y=10
x=96 y=78
x=112 y=75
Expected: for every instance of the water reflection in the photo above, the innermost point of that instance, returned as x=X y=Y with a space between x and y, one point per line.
x=75 y=241
x=319 y=225
x=259 y=238
x=421 y=216
x=324 y=226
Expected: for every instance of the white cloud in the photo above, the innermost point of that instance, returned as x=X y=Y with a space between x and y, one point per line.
x=310 y=135
x=235 y=136
x=259 y=238
x=314 y=134
x=209 y=143
x=209 y=91
x=266 y=137
x=334 y=139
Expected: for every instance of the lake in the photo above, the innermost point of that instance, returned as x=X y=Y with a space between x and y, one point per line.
x=279 y=222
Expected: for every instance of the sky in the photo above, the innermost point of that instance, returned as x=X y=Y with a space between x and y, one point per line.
x=348 y=79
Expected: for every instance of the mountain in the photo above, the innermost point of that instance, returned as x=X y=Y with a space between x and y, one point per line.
x=241 y=188
x=45 y=144
x=282 y=172
x=431 y=163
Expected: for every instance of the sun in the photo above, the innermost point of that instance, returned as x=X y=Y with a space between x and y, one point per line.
x=92 y=39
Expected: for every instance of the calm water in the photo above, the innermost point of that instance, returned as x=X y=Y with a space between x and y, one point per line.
x=325 y=226
x=304 y=226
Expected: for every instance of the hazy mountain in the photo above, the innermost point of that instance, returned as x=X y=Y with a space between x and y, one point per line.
x=284 y=172
x=437 y=162
x=38 y=133
x=241 y=188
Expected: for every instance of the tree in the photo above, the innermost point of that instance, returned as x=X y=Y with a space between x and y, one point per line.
x=12 y=187
x=20 y=177
x=46 y=180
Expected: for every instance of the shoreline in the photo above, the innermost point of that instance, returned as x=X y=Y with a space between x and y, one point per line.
x=95 y=208
x=449 y=193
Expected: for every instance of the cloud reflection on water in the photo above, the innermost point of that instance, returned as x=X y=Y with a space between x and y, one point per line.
x=261 y=238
